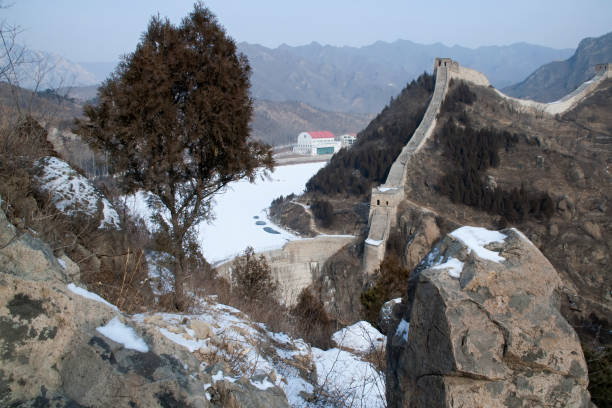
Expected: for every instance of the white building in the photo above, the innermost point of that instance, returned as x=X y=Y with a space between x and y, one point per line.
x=316 y=143
x=348 y=139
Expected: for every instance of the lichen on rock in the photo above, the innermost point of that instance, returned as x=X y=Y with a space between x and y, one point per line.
x=491 y=337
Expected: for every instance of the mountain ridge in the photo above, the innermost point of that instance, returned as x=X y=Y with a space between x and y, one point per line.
x=556 y=79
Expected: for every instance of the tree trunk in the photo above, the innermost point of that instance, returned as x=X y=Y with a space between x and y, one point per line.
x=180 y=300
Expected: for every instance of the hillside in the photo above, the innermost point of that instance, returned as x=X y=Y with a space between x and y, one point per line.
x=279 y=123
x=363 y=79
x=565 y=158
x=556 y=79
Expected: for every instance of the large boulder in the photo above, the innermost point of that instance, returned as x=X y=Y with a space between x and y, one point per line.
x=61 y=345
x=481 y=327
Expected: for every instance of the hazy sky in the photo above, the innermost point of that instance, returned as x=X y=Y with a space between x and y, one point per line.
x=94 y=30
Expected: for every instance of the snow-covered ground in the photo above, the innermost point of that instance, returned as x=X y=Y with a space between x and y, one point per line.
x=72 y=193
x=239 y=208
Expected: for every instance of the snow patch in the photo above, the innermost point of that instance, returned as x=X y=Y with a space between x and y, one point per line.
x=120 y=333
x=475 y=239
x=191 y=345
x=453 y=265
x=263 y=384
x=385 y=189
x=72 y=193
x=402 y=330
x=374 y=242
x=62 y=263
x=361 y=337
x=221 y=377
x=89 y=295
x=343 y=375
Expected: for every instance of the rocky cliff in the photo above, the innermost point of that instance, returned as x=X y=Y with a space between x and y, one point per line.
x=61 y=345
x=482 y=328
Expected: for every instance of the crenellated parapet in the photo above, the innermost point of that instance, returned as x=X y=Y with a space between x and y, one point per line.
x=386 y=198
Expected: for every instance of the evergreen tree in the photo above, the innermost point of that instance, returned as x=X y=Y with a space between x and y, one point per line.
x=174 y=117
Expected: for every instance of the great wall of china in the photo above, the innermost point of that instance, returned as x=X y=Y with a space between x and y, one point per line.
x=297 y=264
x=386 y=198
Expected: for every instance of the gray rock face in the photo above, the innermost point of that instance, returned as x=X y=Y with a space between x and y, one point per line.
x=52 y=355
x=490 y=336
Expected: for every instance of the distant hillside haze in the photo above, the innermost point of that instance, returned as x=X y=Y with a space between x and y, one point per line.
x=362 y=80
x=42 y=70
x=556 y=79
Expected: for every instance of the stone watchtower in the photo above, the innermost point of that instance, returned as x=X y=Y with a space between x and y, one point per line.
x=451 y=65
x=605 y=69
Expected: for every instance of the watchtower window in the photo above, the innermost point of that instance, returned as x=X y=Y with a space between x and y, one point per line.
x=387 y=203
x=377 y=202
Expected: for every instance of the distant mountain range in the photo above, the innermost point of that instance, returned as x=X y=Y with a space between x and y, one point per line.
x=353 y=79
x=350 y=79
x=42 y=70
x=556 y=79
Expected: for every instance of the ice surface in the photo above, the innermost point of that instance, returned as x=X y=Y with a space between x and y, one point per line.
x=361 y=337
x=89 y=295
x=402 y=330
x=453 y=265
x=120 y=333
x=475 y=238
x=233 y=228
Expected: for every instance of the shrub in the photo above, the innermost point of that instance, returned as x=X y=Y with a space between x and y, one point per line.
x=460 y=94
x=391 y=281
x=313 y=323
x=252 y=278
x=471 y=152
x=324 y=212
x=599 y=362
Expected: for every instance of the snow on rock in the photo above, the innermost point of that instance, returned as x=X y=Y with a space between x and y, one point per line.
x=453 y=265
x=344 y=377
x=361 y=337
x=263 y=385
x=374 y=242
x=72 y=193
x=122 y=334
x=161 y=278
x=402 y=330
x=475 y=239
x=269 y=359
x=89 y=295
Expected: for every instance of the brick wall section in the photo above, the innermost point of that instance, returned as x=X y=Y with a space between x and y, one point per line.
x=297 y=263
x=386 y=198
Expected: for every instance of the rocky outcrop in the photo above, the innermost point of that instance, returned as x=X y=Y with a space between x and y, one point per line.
x=483 y=329
x=54 y=353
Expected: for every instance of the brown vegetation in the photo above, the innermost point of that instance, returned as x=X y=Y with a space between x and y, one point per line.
x=175 y=119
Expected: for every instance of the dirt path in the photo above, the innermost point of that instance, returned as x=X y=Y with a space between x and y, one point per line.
x=313 y=225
